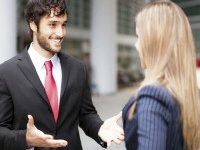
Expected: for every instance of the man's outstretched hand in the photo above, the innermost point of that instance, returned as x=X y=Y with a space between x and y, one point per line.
x=36 y=138
x=110 y=131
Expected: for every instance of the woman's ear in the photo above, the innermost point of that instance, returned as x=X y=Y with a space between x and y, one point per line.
x=33 y=26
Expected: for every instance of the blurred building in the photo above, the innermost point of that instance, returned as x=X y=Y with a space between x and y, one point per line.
x=100 y=32
x=192 y=10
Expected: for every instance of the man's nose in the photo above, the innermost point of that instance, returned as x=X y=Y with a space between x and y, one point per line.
x=61 y=31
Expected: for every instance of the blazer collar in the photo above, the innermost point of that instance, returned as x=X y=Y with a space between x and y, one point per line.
x=64 y=61
x=28 y=69
x=26 y=66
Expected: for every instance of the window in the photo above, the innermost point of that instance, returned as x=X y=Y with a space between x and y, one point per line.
x=126 y=13
x=192 y=10
x=79 y=13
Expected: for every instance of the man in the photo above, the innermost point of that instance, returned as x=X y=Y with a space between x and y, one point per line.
x=50 y=88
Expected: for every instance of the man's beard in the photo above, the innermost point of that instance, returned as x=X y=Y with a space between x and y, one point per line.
x=44 y=44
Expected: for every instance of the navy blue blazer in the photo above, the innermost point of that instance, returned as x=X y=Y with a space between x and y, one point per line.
x=156 y=124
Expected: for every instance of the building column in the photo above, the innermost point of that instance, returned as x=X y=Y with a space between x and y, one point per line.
x=104 y=46
x=8 y=29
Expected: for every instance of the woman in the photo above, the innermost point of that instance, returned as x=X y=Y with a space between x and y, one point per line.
x=165 y=113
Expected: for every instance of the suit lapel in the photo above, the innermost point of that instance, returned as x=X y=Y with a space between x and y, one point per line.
x=26 y=66
x=65 y=72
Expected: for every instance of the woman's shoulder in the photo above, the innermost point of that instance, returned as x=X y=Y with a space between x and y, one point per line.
x=152 y=95
x=154 y=90
x=157 y=93
x=158 y=101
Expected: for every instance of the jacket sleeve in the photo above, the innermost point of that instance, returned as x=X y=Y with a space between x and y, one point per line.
x=89 y=120
x=10 y=139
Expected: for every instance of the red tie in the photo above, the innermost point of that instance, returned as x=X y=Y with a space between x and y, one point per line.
x=51 y=90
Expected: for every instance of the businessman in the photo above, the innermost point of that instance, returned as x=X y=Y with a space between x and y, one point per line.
x=44 y=94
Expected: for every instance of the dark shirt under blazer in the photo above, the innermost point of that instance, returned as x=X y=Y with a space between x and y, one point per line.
x=156 y=124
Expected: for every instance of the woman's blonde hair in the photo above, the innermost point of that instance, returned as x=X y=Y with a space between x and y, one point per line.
x=168 y=51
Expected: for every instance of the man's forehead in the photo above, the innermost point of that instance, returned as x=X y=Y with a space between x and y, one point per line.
x=53 y=17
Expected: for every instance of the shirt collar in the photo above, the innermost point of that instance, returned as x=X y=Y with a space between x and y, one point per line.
x=39 y=60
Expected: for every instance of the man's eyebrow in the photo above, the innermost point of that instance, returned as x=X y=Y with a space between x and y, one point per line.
x=55 y=21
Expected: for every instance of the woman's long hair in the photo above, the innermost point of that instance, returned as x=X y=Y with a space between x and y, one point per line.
x=168 y=51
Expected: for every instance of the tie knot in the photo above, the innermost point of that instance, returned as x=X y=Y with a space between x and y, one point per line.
x=48 y=65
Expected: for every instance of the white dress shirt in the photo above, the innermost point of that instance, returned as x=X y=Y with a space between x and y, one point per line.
x=38 y=61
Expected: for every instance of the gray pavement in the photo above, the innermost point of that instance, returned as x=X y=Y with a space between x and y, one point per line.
x=107 y=106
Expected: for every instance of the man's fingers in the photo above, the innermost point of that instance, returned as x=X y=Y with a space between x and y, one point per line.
x=121 y=137
x=57 y=143
x=36 y=138
x=117 y=141
x=30 y=120
x=121 y=131
x=118 y=116
x=47 y=136
x=108 y=144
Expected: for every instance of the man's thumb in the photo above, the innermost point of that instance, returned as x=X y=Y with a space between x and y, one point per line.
x=118 y=116
x=30 y=120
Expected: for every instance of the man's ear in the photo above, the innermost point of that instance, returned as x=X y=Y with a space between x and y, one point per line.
x=33 y=26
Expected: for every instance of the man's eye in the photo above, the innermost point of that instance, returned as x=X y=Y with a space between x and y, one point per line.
x=64 y=25
x=52 y=25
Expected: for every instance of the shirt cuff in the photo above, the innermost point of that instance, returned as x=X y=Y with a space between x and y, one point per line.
x=102 y=143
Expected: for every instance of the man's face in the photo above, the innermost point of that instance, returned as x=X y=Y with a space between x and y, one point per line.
x=49 y=35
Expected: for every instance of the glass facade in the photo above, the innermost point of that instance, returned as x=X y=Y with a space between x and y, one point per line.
x=129 y=70
x=79 y=13
x=192 y=10
x=127 y=9
x=126 y=13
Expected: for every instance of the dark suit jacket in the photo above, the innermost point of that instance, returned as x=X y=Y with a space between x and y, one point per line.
x=22 y=93
x=156 y=124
